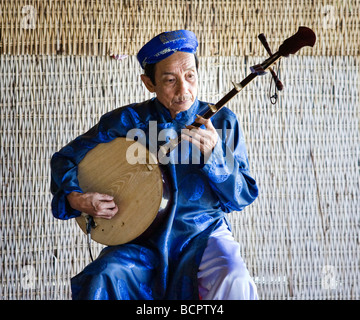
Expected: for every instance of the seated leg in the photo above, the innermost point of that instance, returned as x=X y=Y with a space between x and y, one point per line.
x=119 y=273
x=222 y=273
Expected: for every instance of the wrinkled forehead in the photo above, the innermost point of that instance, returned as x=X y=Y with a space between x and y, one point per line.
x=179 y=62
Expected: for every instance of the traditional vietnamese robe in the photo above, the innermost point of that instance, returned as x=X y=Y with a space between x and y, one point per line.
x=164 y=266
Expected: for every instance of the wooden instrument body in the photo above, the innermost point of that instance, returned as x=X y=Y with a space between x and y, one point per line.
x=140 y=190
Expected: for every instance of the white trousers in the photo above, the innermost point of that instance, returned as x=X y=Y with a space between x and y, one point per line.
x=222 y=272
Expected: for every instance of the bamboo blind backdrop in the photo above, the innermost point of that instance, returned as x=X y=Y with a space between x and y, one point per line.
x=300 y=239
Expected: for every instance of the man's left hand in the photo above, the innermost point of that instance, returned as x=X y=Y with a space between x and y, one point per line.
x=204 y=139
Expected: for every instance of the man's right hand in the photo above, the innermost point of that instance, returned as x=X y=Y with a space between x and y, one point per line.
x=95 y=204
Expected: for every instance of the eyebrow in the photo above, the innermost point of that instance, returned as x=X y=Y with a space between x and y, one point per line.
x=172 y=73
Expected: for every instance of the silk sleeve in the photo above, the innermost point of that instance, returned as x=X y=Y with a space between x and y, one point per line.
x=228 y=166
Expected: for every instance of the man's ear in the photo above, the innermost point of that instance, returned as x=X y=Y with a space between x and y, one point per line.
x=148 y=83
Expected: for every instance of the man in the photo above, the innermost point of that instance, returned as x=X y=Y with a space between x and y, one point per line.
x=193 y=254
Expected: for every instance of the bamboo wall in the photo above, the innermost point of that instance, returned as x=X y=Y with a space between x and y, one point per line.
x=300 y=239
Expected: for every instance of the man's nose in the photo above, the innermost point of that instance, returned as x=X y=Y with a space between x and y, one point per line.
x=182 y=86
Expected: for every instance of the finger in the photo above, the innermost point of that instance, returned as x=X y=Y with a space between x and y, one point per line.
x=101 y=205
x=202 y=136
x=198 y=133
x=206 y=122
x=185 y=137
x=103 y=197
x=194 y=141
x=107 y=213
x=194 y=133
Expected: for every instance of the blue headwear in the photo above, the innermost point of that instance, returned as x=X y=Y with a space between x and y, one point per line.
x=165 y=44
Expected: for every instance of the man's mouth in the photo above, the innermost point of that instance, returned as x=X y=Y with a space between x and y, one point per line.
x=182 y=101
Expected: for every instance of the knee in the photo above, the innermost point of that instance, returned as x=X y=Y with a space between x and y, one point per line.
x=240 y=284
x=238 y=272
x=100 y=280
x=234 y=268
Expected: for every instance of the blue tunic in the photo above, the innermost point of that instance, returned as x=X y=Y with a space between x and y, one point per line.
x=164 y=266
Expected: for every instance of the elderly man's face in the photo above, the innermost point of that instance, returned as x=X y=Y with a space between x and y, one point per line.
x=176 y=81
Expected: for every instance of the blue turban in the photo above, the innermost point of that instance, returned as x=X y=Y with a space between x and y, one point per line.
x=165 y=44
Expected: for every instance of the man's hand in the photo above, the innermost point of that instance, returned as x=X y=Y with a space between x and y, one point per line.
x=204 y=139
x=95 y=204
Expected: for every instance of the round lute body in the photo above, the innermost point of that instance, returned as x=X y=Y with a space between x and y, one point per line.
x=127 y=171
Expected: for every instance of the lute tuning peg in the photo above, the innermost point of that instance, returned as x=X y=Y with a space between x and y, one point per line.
x=264 y=42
